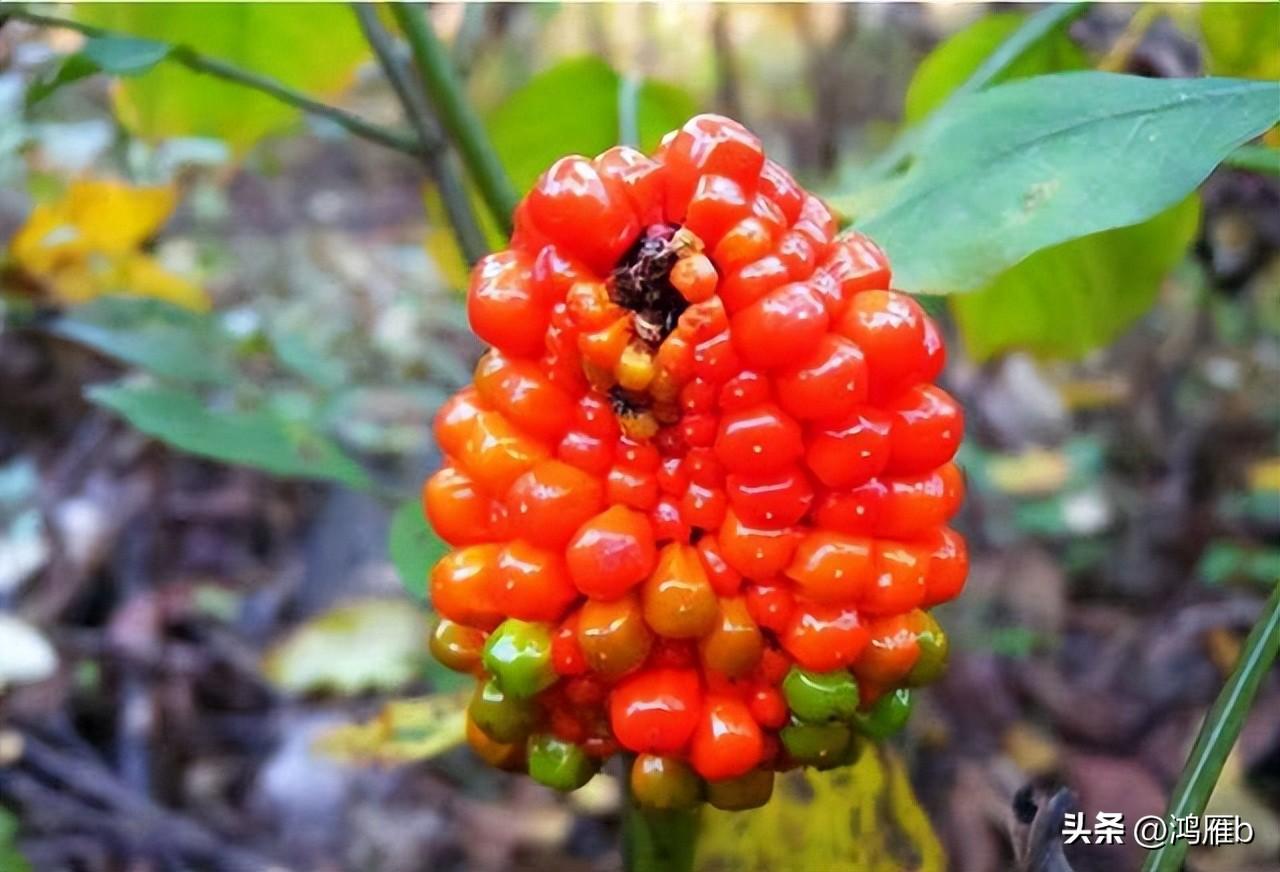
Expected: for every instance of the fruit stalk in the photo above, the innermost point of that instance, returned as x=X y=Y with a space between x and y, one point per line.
x=657 y=840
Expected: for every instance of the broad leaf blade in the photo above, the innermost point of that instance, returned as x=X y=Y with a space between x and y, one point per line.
x=1067 y=300
x=165 y=340
x=951 y=64
x=1004 y=173
x=256 y=437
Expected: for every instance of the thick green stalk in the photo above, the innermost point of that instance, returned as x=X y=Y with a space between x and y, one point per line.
x=1220 y=730
x=658 y=841
x=455 y=113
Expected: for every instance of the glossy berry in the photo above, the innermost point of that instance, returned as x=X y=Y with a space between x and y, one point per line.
x=698 y=493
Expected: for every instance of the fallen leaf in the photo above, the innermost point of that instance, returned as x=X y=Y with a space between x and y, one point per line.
x=25 y=654
x=87 y=244
x=404 y=731
x=364 y=645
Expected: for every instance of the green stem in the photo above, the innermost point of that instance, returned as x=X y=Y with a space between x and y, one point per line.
x=199 y=63
x=658 y=841
x=462 y=124
x=1220 y=730
x=434 y=151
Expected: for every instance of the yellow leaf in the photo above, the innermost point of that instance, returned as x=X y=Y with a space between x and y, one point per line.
x=404 y=731
x=1034 y=471
x=86 y=244
x=862 y=818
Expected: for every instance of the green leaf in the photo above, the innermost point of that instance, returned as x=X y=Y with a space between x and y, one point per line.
x=121 y=56
x=167 y=340
x=125 y=55
x=315 y=51
x=1220 y=730
x=372 y=644
x=258 y=437
x=1255 y=159
x=572 y=108
x=11 y=859
x=1242 y=39
x=1003 y=173
x=954 y=61
x=414 y=547
x=1067 y=300
x=861 y=818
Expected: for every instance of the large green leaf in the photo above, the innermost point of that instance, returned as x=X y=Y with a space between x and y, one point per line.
x=1006 y=172
x=313 y=48
x=573 y=107
x=951 y=63
x=1069 y=299
x=1242 y=39
x=257 y=437
x=414 y=547
x=161 y=338
x=862 y=818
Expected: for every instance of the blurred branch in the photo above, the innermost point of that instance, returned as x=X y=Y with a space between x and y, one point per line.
x=1220 y=730
x=728 y=91
x=455 y=113
x=629 y=110
x=1117 y=57
x=199 y=63
x=434 y=151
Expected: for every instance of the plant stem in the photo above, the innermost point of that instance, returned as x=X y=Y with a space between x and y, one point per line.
x=1220 y=730
x=658 y=841
x=434 y=150
x=1255 y=159
x=199 y=63
x=455 y=113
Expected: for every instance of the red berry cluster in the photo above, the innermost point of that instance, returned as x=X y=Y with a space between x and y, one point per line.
x=699 y=489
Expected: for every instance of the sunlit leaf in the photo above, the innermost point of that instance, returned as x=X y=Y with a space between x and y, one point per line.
x=1067 y=300
x=86 y=244
x=572 y=108
x=862 y=818
x=315 y=49
x=259 y=437
x=404 y=731
x=1242 y=39
x=373 y=644
x=1000 y=174
x=414 y=547
x=951 y=63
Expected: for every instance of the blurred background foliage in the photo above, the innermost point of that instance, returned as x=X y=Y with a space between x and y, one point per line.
x=227 y=322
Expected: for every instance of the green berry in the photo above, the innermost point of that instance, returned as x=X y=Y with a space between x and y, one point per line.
x=518 y=654
x=821 y=696
x=738 y=794
x=887 y=716
x=559 y=764
x=820 y=745
x=499 y=716
x=934 y=651
x=664 y=782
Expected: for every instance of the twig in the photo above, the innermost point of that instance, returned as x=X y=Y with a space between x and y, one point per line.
x=728 y=92
x=434 y=150
x=199 y=63
x=1117 y=57
x=456 y=114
